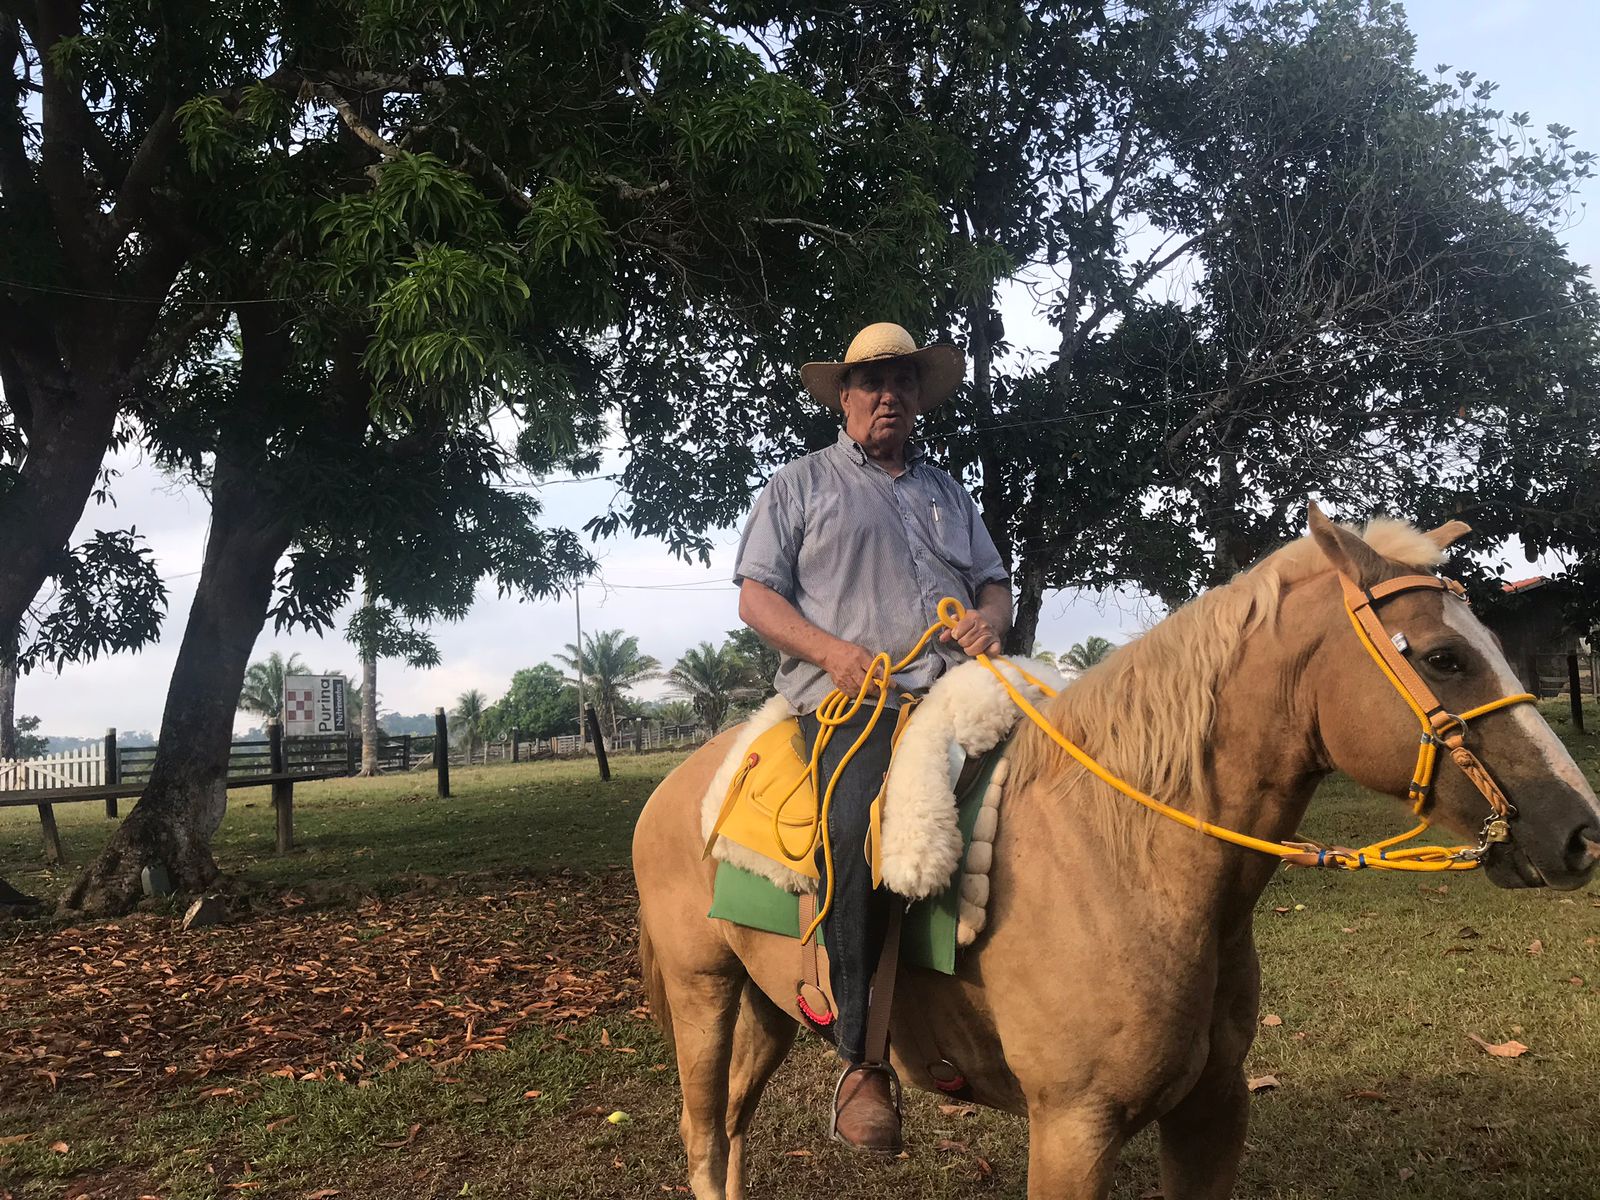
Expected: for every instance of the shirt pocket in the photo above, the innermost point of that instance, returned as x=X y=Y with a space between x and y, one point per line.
x=952 y=536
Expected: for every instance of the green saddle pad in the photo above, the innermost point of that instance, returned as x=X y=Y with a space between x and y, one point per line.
x=928 y=935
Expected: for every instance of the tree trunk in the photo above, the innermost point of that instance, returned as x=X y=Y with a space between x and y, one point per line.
x=68 y=436
x=369 y=702
x=1030 y=577
x=173 y=822
x=8 y=710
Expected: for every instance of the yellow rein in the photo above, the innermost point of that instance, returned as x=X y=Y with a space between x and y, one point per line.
x=1439 y=728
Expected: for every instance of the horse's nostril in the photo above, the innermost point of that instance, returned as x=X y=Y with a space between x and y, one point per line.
x=1583 y=850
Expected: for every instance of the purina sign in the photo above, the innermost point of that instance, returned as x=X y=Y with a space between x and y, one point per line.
x=313 y=705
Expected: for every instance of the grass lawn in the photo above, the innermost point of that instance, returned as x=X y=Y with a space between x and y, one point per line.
x=439 y=998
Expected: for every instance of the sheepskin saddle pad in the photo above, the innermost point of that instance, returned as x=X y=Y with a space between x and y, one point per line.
x=920 y=840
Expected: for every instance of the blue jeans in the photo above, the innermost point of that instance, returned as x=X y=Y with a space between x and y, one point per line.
x=855 y=926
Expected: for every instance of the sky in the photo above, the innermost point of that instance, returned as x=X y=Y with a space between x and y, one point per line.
x=1539 y=51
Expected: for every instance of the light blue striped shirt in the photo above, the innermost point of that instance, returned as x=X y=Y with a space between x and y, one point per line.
x=867 y=557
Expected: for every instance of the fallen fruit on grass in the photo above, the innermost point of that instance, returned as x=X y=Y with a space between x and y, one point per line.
x=619 y=1118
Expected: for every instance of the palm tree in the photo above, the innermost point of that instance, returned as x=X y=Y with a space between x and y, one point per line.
x=1047 y=657
x=472 y=708
x=675 y=712
x=263 y=684
x=1088 y=652
x=612 y=665
x=712 y=678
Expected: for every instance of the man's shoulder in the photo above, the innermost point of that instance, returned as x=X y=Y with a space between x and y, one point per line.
x=801 y=473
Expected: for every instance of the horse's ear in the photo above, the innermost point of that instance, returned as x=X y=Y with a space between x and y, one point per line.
x=1448 y=533
x=1347 y=551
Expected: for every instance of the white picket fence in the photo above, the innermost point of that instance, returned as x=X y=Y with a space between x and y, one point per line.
x=84 y=767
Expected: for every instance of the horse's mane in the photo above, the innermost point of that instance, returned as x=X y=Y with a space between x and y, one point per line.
x=1146 y=711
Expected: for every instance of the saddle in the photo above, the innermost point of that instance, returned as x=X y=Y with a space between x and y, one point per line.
x=934 y=821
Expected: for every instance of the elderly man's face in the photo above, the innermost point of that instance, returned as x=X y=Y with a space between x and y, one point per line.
x=880 y=404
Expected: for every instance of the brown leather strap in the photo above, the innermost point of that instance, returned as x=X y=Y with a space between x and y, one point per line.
x=1360 y=602
x=881 y=1002
x=809 y=972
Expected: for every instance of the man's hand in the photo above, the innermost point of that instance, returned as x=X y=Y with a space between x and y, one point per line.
x=847 y=664
x=973 y=634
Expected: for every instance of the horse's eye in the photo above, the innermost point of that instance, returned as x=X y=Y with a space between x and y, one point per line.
x=1445 y=662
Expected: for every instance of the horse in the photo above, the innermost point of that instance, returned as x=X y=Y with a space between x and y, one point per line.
x=1117 y=982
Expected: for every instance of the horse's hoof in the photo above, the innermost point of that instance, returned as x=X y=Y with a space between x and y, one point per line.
x=866 y=1108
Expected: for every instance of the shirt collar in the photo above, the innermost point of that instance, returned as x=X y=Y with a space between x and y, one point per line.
x=852 y=448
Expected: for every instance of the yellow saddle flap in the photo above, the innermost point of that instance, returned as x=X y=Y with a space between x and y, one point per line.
x=771 y=806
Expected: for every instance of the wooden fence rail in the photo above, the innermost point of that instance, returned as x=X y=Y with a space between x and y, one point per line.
x=112 y=772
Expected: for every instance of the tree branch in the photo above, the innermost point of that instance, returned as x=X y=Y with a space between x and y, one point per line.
x=812 y=226
x=356 y=125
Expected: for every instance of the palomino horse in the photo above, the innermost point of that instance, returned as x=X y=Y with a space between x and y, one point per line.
x=1117 y=981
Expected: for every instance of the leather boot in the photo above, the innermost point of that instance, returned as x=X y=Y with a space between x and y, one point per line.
x=866 y=1108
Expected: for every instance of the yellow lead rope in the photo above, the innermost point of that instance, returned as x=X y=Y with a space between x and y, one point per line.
x=1378 y=855
x=837 y=709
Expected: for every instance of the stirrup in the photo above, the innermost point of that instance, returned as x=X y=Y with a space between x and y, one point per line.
x=895 y=1093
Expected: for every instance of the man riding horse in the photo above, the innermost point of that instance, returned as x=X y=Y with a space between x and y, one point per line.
x=847 y=553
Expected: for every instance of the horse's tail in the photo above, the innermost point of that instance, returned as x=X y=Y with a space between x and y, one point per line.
x=655 y=985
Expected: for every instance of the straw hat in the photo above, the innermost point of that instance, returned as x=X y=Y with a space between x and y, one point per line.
x=941 y=367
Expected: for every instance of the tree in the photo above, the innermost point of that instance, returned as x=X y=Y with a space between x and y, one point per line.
x=369 y=687
x=1277 y=258
x=674 y=712
x=1088 y=653
x=539 y=704
x=8 y=709
x=712 y=678
x=611 y=665
x=468 y=717
x=263 y=684
x=29 y=743
x=397 y=253
x=761 y=658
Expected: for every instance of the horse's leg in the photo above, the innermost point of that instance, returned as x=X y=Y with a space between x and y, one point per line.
x=1072 y=1151
x=762 y=1038
x=1202 y=1139
x=705 y=1008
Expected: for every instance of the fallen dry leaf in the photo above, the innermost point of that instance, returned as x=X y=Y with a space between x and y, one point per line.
x=1500 y=1049
x=60 y=1147
x=321 y=1194
x=1272 y=1020
x=13 y=1138
x=959 y=1110
x=1365 y=1094
x=797 y=1153
x=1535 y=947
x=423 y=969
x=1261 y=1083
x=274 y=1126
x=411 y=1136
x=1406 y=1173
x=532 y=1094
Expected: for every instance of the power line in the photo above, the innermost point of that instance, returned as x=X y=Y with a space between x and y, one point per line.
x=112 y=297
